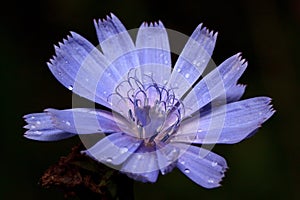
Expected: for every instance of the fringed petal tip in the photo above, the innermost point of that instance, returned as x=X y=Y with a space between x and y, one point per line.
x=156 y=24
x=109 y=17
x=202 y=166
x=205 y=31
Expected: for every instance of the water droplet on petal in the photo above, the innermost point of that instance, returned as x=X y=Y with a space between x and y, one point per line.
x=187 y=171
x=109 y=159
x=166 y=62
x=214 y=164
x=37 y=132
x=199 y=131
x=179 y=70
x=139 y=156
x=165 y=82
x=70 y=87
x=68 y=123
x=187 y=75
x=123 y=150
x=210 y=180
x=161 y=55
x=32 y=126
x=32 y=117
x=38 y=122
x=182 y=162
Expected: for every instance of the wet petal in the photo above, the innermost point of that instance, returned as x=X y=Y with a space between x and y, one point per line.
x=167 y=155
x=216 y=83
x=67 y=123
x=142 y=165
x=227 y=124
x=87 y=121
x=81 y=67
x=42 y=128
x=202 y=166
x=154 y=52
x=47 y=135
x=192 y=60
x=116 y=44
x=114 y=149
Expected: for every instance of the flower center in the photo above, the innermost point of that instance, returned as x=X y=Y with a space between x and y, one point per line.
x=153 y=110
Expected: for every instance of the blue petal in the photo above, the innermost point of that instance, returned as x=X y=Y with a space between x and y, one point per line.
x=41 y=128
x=154 y=52
x=167 y=155
x=235 y=92
x=232 y=94
x=202 y=166
x=216 y=83
x=114 y=149
x=66 y=123
x=192 y=60
x=81 y=67
x=87 y=121
x=116 y=44
x=142 y=165
x=47 y=135
x=226 y=124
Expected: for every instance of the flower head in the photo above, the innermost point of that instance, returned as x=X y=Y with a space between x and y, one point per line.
x=157 y=120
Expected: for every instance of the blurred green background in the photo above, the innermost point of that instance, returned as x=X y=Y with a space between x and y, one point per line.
x=265 y=31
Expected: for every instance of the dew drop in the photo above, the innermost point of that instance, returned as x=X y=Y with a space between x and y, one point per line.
x=104 y=92
x=123 y=150
x=210 y=180
x=139 y=156
x=214 y=164
x=161 y=55
x=38 y=122
x=70 y=87
x=187 y=171
x=32 y=117
x=37 y=132
x=68 y=123
x=182 y=162
x=187 y=75
x=109 y=159
x=32 y=126
x=179 y=70
x=166 y=62
x=66 y=62
x=199 y=130
x=165 y=82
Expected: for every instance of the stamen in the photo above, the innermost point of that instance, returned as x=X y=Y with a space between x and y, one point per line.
x=153 y=110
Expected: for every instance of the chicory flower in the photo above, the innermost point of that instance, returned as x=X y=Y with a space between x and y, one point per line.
x=155 y=120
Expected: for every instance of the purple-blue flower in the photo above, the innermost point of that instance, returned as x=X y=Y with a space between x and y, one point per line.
x=157 y=116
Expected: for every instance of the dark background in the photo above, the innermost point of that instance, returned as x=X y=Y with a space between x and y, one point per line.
x=266 y=31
